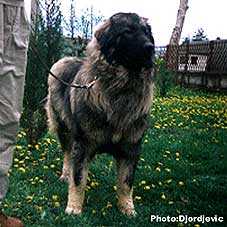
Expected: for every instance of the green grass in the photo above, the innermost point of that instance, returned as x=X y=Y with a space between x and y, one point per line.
x=182 y=170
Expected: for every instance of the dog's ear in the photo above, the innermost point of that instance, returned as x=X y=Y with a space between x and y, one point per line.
x=100 y=31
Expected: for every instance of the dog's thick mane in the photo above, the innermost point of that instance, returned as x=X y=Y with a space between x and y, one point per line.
x=118 y=90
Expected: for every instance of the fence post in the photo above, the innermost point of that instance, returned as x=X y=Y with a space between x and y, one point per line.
x=209 y=61
x=187 y=61
x=210 y=56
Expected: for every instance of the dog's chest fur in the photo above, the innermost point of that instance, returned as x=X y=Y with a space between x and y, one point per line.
x=117 y=107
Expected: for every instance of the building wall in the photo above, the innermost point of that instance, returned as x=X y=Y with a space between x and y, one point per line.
x=214 y=82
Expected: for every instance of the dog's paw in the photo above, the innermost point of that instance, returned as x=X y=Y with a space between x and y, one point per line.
x=73 y=210
x=127 y=209
x=130 y=212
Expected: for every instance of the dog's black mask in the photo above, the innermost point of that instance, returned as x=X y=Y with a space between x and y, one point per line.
x=127 y=41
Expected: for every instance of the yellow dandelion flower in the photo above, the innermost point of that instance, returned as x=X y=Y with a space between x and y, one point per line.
x=19 y=135
x=163 y=196
x=167 y=170
x=21 y=169
x=169 y=181
x=146 y=141
x=88 y=187
x=147 y=187
x=54 y=197
x=115 y=188
x=23 y=133
x=18 y=147
x=29 y=197
x=138 y=198
x=177 y=154
x=110 y=163
x=39 y=208
x=48 y=140
x=109 y=205
x=56 y=204
x=94 y=184
x=157 y=126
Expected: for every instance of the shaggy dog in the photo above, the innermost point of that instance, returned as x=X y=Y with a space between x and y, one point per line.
x=109 y=117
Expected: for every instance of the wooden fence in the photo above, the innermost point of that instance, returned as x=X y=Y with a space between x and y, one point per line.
x=200 y=64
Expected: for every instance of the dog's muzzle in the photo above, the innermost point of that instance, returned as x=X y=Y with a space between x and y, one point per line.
x=148 y=54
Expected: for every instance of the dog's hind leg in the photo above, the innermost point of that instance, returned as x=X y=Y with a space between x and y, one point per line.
x=65 y=141
x=126 y=166
x=78 y=173
x=57 y=126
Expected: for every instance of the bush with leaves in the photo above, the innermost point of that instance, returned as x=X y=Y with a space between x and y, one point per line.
x=164 y=79
x=46 y=37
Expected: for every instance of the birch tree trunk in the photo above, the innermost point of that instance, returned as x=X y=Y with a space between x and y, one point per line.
x=35 y=11
x=175 y=38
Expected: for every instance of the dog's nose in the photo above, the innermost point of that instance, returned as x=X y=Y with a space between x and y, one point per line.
x=149 y=47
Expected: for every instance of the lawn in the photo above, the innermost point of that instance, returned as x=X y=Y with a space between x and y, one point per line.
x=182 y=170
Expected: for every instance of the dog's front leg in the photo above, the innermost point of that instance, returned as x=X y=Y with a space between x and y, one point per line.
x=78 y=172
x=126 y=167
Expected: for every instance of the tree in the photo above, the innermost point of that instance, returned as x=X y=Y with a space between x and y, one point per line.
x=45 y=44
x=200 y=35
x=186 y=39
x=53 y=31
x=72 y=23
x=80 y=30
x=88 y=20
x=176 y=34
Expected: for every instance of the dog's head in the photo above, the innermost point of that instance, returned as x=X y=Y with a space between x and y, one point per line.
x=126 y=39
